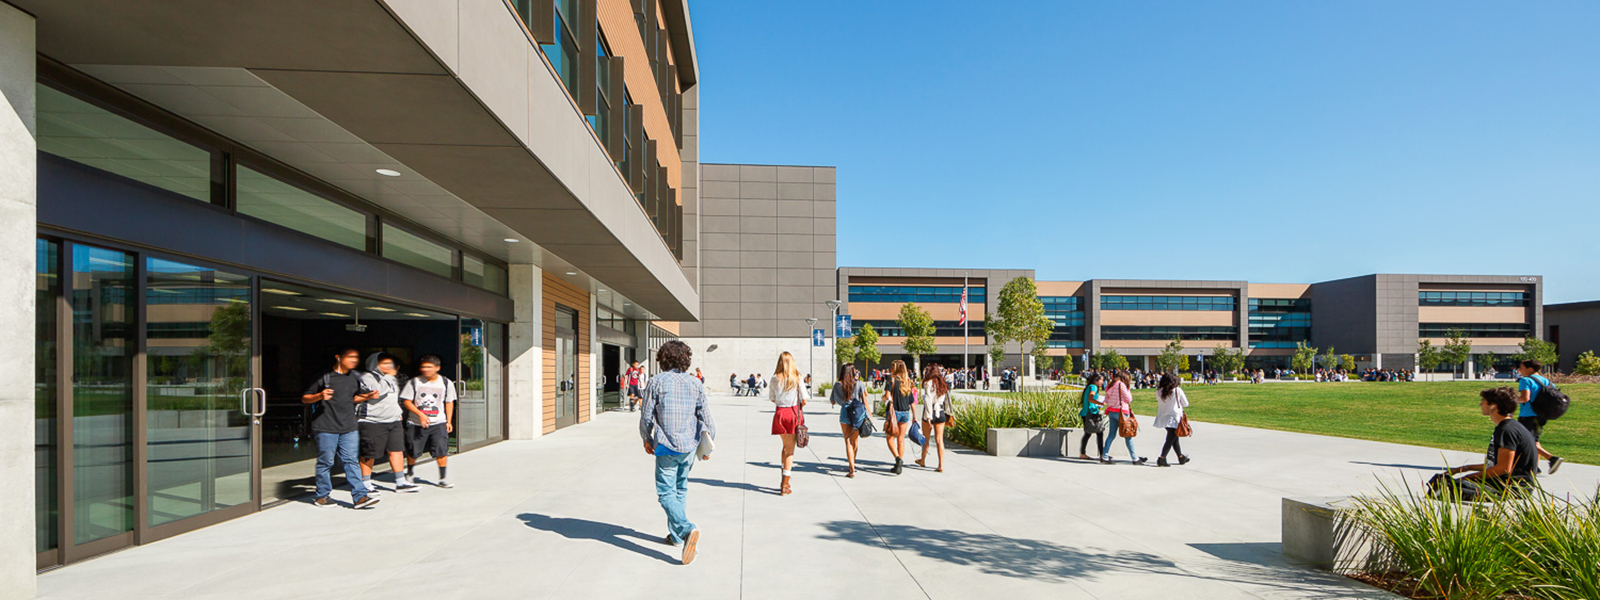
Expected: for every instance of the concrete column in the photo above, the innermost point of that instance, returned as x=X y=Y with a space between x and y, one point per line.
x=19 y=176
x=525 y=361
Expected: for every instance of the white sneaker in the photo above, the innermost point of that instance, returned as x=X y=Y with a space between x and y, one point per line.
x=407 y=488
x=444 y=484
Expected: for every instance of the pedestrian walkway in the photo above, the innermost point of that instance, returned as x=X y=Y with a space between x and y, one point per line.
x=574 y=515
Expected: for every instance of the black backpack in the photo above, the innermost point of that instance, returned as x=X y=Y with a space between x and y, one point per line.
x=1550 y=403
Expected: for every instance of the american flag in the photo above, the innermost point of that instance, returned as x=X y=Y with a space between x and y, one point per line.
x=963 y=320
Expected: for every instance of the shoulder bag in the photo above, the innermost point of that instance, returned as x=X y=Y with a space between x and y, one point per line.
x=1184 y=430
x=802 y=436
x=1127 y=425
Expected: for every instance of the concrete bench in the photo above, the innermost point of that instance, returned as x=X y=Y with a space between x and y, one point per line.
x=1048 y=443
x=1313 y=535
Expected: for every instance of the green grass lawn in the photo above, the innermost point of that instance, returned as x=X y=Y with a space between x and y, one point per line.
x=1432 y=414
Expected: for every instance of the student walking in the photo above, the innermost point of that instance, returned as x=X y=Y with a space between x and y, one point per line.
x=1094 y=422
x=1508 y=466
x=1170 y=402
x=788 y=394
x=850 y=394
x=634 y=377
x=935 y=412
x=431 y=401
x=672 y=421
x=899 y=394
x=1119 y=406
x=333 y=423
x=382 y=434
x=1529 y=384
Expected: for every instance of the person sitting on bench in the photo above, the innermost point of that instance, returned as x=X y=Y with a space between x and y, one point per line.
x=1508 y=467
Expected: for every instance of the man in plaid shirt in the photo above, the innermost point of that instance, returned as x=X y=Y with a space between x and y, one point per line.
x=670 y=423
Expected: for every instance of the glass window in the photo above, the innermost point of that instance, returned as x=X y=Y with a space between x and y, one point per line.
x=407 y=248
x=279 y=203
x=102 y=392
x=474 y=271
x=198 y=330
x=472 y=410
x=47 y=505
x=81 y=132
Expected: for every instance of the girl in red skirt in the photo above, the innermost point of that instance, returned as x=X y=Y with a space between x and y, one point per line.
x=789 y=394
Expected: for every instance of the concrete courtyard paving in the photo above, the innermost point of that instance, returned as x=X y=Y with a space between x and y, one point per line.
x=574 y=515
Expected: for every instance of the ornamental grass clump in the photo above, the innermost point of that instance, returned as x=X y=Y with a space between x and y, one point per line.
x=974 y=417
x=1539 y=546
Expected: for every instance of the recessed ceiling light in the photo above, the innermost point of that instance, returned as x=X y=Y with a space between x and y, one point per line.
x=335 y=314
x=293 y=308
x=388 y=172
x=334 y=301
x=417 y=315
x=380 y=309
x=572 y=272
x=512 y=240
x=280 y=292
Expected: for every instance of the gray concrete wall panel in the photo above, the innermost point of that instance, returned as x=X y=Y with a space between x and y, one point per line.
x=18 y=281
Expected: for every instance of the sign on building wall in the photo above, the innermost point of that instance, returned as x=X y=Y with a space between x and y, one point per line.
x=842 y=325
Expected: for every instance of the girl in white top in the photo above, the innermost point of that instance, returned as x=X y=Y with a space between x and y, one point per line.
x=935 y=412
x=789 y=394
x=1170 y=402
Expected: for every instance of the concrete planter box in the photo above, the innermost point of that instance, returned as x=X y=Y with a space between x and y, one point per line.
x=1313 y=536
x=1027 y=442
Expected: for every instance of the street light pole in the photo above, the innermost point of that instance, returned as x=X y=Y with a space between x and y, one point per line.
x=833 y=334
x=811 y=357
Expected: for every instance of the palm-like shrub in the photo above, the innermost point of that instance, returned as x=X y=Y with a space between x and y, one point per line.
x=1035 y=409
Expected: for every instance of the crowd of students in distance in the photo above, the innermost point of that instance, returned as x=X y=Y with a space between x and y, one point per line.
x=1388 y=375
x=357 y=419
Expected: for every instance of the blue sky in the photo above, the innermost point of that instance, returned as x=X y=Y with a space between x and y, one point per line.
x=1267 y=141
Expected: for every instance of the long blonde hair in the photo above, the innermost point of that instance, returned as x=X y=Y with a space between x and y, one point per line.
x=786 y=373
x=902 y=377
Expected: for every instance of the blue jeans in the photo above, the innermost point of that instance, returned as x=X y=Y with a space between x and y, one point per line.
x=1111 y=437
x=672 y=488
x=346 y=445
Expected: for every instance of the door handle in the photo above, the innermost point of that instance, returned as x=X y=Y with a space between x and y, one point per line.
x=261 y=402
x=244 y=402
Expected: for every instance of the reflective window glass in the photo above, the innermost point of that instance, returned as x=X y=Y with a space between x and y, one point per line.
x=474 y=271
x=279 y=203
x=47 y=505
x=82 y=132
x=103 y=313
x=407 y=248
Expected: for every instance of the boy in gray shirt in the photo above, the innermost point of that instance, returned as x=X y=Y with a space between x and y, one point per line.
x=382 y=434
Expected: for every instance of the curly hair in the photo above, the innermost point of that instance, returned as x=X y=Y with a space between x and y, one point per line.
x=674 y=356
x=1503 y=399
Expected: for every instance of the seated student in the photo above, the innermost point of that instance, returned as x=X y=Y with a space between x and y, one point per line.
x=1507 y=467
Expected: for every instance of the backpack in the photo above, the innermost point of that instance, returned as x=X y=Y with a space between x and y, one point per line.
x=1550 y=403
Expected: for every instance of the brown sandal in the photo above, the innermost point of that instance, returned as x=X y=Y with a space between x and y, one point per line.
x=784 y=490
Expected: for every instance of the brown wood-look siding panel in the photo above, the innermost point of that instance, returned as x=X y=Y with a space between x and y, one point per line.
x=560 y=292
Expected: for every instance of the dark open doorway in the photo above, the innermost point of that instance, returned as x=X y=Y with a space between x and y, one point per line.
x=611 y=370
x=301 y=330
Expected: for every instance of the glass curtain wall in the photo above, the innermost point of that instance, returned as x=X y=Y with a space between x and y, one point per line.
x=472 y=410
x=198 y=344
x=46 y=321
x=103 y=322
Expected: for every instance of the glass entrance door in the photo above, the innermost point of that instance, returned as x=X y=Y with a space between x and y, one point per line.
x=566 y=374
x=198 y=429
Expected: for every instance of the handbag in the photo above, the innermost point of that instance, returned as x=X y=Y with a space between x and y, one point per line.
x=1127 y=426
x=1184 y=430
x=707 y=446
x=802 y=436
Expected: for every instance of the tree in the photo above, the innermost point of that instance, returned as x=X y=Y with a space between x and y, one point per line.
x=1347 y=362
x=1109 y=359
x=1042 y=362
x=1428 y=357
x=1172 y=358
x=1227 y=360
x=1487 y=361
x=918 y=327
x=1536 y=349
x=866 y=342
x=1020 y=316
x=844 y=351
x=1328 y=359
x=1457 y=349
x=1588 y=364
x=1304 y=358
x=997 y=354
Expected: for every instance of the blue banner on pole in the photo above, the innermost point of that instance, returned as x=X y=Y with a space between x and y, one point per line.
x=842 y=324
x=819 y=337
x=477 y=337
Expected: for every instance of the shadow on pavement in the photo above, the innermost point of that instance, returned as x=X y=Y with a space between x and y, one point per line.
x=1398 y=466
x=801 y=467
x=581 y=529
x=749 y=487
x=999 y=555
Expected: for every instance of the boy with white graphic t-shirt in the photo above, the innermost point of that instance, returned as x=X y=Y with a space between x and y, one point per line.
x=429 y=400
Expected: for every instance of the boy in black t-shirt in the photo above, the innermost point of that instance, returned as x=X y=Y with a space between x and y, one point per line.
x=333 y=424
x=1508 y=466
